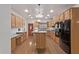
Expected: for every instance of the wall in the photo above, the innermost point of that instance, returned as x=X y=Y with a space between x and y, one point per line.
x=5 y=29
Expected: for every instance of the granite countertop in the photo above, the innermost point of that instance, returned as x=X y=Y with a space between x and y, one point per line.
x=15 y=35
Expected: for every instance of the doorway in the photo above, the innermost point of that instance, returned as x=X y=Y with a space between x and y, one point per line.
x=30 y=29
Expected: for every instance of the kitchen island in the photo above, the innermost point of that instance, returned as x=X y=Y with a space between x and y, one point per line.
x=40 y=40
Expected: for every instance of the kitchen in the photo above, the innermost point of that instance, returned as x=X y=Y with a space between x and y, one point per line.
x=42 y=28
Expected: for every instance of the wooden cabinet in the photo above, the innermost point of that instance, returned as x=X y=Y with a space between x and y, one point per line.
x=67 y=14
x=13 y=21
x=75 y=30
x=50 y=24
x=22 y=39
x=35 y=24
x=16 y=21
x=40 y=39
x=13 y=44
x=18 y=40
x=73 y=14
x=19 y=22
x=61 y=17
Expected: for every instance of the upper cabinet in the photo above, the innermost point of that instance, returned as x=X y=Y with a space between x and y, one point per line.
x=13 y=21
x=35 y=24
x=68 y=14
x=19 y=22
x=49 y=24
x=61 y=17
x=55 y=19
x=16 y=22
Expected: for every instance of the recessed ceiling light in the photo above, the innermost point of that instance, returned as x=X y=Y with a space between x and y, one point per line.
x=51 y=11
x=38 y=20
x=48 y=15
x=26 y=10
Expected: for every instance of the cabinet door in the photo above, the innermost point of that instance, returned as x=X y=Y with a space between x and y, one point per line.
x=61 y=17
x=42 y=40
x=66 y=15
x=21 y=22
x=37 y=37
x=17 y=22
x=18 y=40
x=13 y=21
x=22 y=38
x=13 y=44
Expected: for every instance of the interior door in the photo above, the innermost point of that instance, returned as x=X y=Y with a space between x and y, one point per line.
x=30 y=29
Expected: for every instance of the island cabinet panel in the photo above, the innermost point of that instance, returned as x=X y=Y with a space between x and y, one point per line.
x=40 y=39
x=37 y=40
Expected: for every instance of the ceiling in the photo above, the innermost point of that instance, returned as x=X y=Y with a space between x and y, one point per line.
x=57 y=8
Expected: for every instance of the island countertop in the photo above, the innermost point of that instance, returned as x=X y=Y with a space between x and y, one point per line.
x=39 y=31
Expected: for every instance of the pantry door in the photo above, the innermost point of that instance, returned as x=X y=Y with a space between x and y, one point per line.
x=30 y=29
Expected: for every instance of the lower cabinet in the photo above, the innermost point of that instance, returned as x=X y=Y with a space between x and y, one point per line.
x=17 y=41
x=13 y=44
x=22 y=39
x=40 y=39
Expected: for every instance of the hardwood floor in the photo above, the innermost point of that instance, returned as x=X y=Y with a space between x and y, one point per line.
x=28 y=47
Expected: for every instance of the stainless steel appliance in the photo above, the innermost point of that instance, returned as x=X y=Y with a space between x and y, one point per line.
x=57 y=27
x=65 y=35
